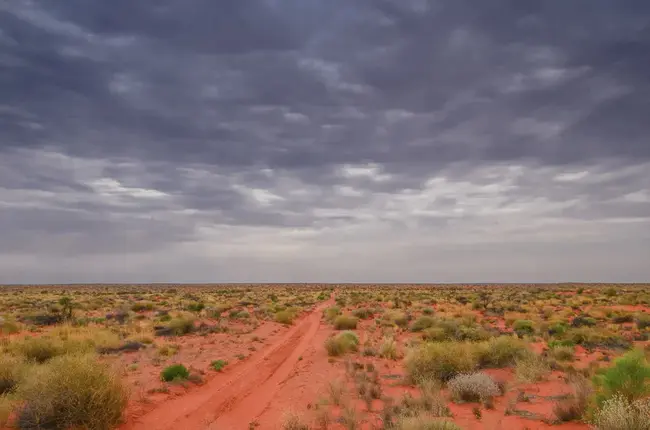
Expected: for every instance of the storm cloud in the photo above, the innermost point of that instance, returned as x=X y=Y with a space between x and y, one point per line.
x=324 y=140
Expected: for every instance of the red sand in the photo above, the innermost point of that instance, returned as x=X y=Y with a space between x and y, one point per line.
x=237 y=397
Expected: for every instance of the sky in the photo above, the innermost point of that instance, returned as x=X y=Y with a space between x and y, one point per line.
x=324 y=141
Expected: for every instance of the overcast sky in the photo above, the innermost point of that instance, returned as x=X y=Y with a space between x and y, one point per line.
x=324 y=140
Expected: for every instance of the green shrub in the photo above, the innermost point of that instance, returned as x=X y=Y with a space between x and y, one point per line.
x=422 y=323
x=501 y=351
x=583 y=321
x=363 y=313
x=38 y=349
x=345 y=322
x=284 y=317
x=563 y=353
x=218 y=365
x=629 y=377
x=441 y=361
x=523 y=327
x=435 y=334
x=332 y=312
x=181 y=326
x=71 y=391
x=623 y=318
x=592 y=338
x=561 y=343
x=398 y=318
x=342 y=343
x=174 y=372
x=142 y=306
x=196 y=307
x=610 y=292
x=642 y=321
x=558 y=328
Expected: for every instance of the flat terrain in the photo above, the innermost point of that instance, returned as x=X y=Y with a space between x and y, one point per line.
x=334 y=356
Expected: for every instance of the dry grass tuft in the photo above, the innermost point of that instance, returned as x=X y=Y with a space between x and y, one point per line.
x=72 y=391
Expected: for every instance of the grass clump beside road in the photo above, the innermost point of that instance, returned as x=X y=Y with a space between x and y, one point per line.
x=345 y=322
x=218 y=365
x=71 y=391
x=342 y=343
x=175 y=372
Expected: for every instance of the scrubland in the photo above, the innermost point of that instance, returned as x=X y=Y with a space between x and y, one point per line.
x=325 y=356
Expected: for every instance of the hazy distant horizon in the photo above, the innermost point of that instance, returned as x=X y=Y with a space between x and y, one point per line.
x=324 y=140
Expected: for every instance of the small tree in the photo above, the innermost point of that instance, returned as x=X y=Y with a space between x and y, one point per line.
x=628 y=377
x=66 y=307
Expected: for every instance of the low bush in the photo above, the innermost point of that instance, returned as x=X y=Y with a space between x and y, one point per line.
x=623 y=318
x=583 y=321
x=473 y=387
x=71 y=391
x=142 y=306
x=441 y=361
x=196 y=307
x=531 y=368
x=642 y=321
x=619 y=413
x=558 y=328
x=182 y=325
x=563 y=353
x=12 y=370
x=590 y=337
x=174 y=372
x=627 y=377
x=363 y=313
x=422 y=323
x=38 y=349
x=396 y=317
x=388 y=348
x=331 y=313
x=435 y=334
x=342 y=343
x=345 y=322
x=284 y=317
x=501 y=351
x=218 y=365
x=523 y=327
x=425 y=422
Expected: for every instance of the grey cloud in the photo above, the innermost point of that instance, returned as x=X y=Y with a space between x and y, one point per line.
x=189 y=127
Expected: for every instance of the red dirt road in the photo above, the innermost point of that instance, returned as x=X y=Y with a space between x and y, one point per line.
x=233 y=400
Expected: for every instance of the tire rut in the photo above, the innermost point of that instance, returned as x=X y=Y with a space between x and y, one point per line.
x=233 y=403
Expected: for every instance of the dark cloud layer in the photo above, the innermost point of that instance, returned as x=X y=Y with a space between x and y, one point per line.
x=275 y=139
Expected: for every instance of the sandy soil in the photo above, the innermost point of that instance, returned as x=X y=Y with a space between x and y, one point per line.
x=238 y=396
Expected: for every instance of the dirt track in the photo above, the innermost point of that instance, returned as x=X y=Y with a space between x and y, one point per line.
x=233 y=400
